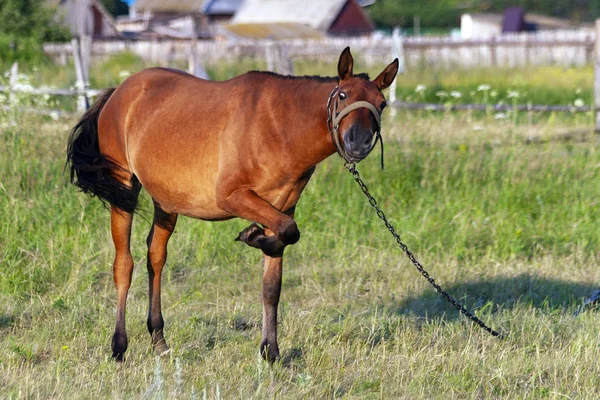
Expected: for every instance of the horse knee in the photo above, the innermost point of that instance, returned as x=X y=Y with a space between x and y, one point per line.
x=288 y=232
x=157 y=258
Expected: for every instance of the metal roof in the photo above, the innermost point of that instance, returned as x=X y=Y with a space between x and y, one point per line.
x=275 y=31
x=220 y=7
x=171 y=6
x=318 y=14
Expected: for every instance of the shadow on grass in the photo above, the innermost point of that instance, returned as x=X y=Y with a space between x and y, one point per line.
x=500 y=293
x=6 y=321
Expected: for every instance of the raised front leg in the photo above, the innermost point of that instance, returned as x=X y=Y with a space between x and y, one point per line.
x=245 y=203
x=162 y=228
x=271 y=289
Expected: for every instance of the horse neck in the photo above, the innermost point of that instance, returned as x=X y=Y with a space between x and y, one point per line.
x=310 y=137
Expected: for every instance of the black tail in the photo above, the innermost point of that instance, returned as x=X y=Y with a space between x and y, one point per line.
x=91 y=170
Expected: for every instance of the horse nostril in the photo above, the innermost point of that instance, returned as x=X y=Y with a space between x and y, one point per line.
x=351 y=136
x=368 y=139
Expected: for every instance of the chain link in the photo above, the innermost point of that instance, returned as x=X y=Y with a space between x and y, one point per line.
x=352 y=168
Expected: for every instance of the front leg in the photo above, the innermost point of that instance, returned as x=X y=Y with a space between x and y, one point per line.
x=271 y=289
x=245 y=203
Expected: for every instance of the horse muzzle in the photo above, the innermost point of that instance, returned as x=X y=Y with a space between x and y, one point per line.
x=355 y=145
x=358 y=143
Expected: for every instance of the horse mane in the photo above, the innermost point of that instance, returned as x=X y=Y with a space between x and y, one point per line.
x=316 y=78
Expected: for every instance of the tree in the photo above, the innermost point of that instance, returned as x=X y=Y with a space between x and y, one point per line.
x=446 y=13
x=24 y=26
x=30 y=19
x=116 y=7
x=432 y=13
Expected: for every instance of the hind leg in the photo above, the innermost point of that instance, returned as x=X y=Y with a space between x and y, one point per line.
x=162 y=228
x=120 y=224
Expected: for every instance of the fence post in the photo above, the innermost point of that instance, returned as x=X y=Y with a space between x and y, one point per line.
x=278 y=58
x=397 y=52
x=12 y=100
x=194 y=66
x=597 y=77
x=286 y=66
x=493 y=51
x=82 y=101
x=269 y=56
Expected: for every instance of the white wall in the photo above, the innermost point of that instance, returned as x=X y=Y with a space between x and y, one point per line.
x=476 y=27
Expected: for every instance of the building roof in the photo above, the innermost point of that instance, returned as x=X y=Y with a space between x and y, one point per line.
x=171 y=6
x=275 y=31
x=317 y=14
x=540 y=20
x=553 y=22
x=221 y=7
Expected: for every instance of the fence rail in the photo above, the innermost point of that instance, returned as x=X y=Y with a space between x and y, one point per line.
x=492 y=107
x=558 y=47
x=52 y=91
x=540 y=48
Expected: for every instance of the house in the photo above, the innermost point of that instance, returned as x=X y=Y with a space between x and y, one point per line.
x=87 y=17
x=331 y=17
x=514 y=19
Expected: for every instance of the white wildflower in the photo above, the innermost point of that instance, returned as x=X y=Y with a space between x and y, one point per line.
x=499 y=116
x=484 y=87
x=23 y=87
x=456 y=94
x=54 y=115
x=420 y=88
x=579 y=102
x=441 y=94
x=124 y=74
x=512 y=94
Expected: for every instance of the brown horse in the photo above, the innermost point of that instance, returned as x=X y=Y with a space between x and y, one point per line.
x=241 y=148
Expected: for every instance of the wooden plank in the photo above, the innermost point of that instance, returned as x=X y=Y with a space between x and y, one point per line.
x=492 y=107
x=54 y=92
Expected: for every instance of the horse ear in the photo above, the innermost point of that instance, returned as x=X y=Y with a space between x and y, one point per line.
x=388 y=75
x=345 y=64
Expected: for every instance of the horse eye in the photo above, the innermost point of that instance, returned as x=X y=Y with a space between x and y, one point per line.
x=342 y=95
x=382 y=106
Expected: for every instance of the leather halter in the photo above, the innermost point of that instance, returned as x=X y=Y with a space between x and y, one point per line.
x=334 y=118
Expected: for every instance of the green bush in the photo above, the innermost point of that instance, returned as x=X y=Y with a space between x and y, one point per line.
x=24 y=26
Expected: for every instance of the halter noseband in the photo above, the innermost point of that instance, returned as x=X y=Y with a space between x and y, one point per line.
x=334 y=119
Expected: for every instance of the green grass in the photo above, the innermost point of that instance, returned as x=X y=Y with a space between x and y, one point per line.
x=456 y=86
x=505 y=216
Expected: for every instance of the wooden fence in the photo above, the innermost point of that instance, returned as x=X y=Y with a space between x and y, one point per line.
x=562 y=48
x=566 y=48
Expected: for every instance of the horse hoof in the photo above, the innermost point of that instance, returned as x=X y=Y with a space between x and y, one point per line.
x=250 y=234
x=119 y=357
x=161 y=349
x=269 y=352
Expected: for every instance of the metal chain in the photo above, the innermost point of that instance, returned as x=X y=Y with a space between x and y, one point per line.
x=352 y=168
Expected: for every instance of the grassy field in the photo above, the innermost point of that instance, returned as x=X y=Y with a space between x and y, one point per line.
x=504 y=215
x=501 y=208
x=570 y=86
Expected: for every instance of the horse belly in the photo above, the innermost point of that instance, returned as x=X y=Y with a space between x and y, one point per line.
x=180 y=178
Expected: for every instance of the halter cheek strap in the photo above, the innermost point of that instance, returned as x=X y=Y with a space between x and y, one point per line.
x=334 y=119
